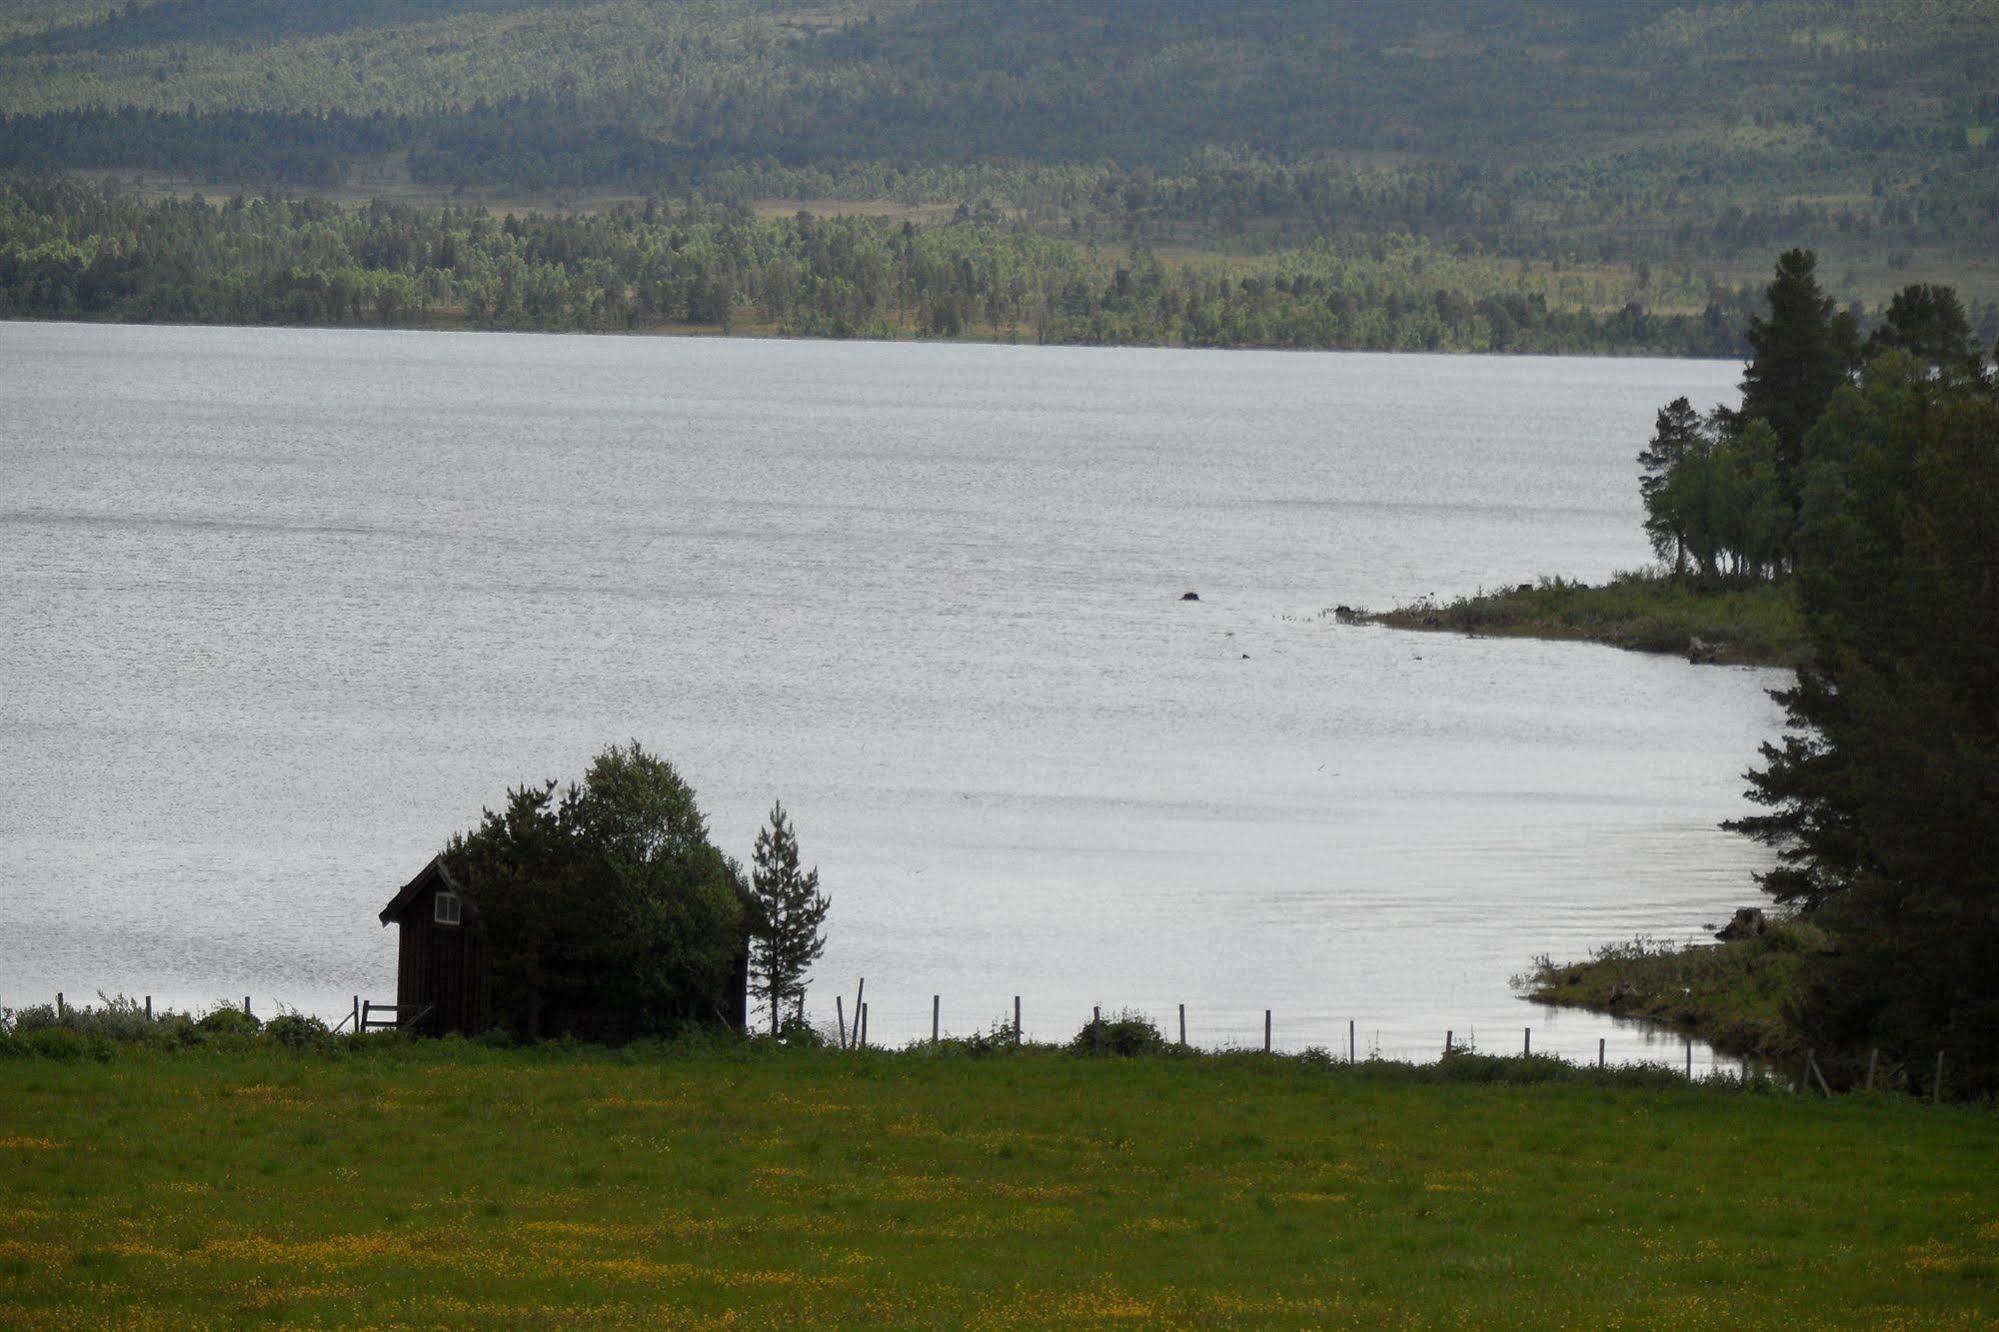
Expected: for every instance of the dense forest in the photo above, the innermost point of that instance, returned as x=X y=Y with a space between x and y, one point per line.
x=1866 y=472
x=1685 y=137
x=72 y=250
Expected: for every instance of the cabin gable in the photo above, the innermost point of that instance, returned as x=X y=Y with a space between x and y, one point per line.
x=442 y=980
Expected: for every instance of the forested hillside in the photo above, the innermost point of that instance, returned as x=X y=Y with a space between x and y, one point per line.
x=68 y=250
x=1673 y=145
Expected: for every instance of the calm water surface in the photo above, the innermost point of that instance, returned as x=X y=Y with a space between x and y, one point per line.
x=283 y=609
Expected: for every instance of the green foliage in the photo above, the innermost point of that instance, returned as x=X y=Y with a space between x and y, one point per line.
x=1683 y=133
x=1727 y=494
x=788 y=915
x=1928 y=324
x=1800 y=354
x=1123 y=1034
x=1723 y=506
x=1884 y=800
x=607 y=912
x=225 y=1019
x=799 y=1034
x=1740 y=996
x=62 y=1044
x=297 y=1031
x=68 y=251
x=1757 y=623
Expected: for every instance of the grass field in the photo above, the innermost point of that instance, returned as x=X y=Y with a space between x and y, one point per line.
x=450 y=1184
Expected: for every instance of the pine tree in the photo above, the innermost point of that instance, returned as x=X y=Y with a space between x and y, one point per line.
x=1678 y=434
x=790 y=913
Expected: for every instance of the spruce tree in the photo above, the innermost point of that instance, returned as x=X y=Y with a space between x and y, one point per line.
x=790 y=913
x=1802 y=353
x=1883 y=801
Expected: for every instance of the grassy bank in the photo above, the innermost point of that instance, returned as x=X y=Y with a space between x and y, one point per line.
x=1646 y=612
x=449 y=1183
x=1734 y=995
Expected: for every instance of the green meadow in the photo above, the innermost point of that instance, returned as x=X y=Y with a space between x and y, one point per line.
x=447 y=1183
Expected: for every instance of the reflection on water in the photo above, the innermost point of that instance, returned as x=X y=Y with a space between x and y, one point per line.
x=287 y=608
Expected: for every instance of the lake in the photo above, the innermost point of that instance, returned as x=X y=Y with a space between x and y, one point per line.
x=286 y=608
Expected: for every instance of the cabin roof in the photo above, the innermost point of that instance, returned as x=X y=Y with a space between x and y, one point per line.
x=432 y=874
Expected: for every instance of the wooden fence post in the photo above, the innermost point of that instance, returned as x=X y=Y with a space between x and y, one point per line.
x=357 y=1012
x=1266 y=1031
x=60 y=1008
x=1096 y=1015
x=1599 y=1052
x=149 y=1008
x=1873 y=1062
x=1447 y=1041
x=1016 y=1019
x=1527 y=1041
x=1350 y=1041
x=246 y=1005
x=840 y=1016
x=1690 y=1059
x=1812 y=1071
x=1183 y=1024
x=864 y=1026
x=859 y=990
x=936 y=1013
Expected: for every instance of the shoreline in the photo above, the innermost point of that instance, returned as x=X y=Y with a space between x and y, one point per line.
x=758 y=333
x=1756 y=625
x=1734 y=994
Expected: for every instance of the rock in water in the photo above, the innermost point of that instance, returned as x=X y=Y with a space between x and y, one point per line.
x=1190 y=596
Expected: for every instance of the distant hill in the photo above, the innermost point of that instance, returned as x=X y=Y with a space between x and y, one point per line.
x=1691 y=137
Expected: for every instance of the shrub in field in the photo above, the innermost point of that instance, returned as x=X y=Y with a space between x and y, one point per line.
x=1124 y=1034
x=115 y=1018
x=801 y=1035
x=64 y=1044
x=296 y=1031
x=228 y=1020
x=1000 y=1038
x=21 y=1021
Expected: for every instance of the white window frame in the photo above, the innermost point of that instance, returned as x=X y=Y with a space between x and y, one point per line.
x=446 y=910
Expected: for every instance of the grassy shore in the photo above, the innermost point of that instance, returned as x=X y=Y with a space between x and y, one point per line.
x=1733 y=995
x=1647 y=612
x=447 y=1183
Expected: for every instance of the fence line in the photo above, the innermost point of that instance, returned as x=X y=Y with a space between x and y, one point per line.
x=361 y=1018
x=853 y=1036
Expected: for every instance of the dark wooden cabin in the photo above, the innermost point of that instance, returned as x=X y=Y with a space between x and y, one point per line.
x=444 y=983
x=441 y=963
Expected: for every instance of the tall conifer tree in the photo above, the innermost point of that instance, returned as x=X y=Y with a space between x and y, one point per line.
x=791 y=911
x=1802 y=353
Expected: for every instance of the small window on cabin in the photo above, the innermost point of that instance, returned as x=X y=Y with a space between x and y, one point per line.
x=446 y=911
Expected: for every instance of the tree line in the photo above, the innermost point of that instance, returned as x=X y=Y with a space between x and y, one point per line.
x=1866 y=472
x=69 y=250
x=1734 y=496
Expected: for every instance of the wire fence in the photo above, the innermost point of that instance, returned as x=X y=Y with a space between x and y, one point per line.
x=859 y=1024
